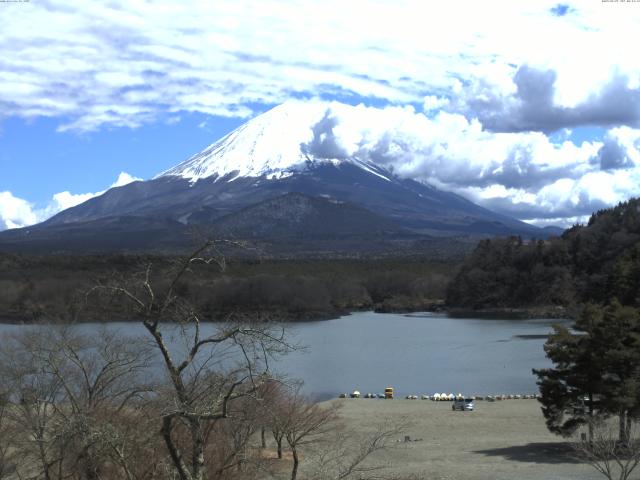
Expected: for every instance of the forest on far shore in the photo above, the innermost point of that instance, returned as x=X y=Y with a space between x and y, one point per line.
x=595 y=263
x=54 y=287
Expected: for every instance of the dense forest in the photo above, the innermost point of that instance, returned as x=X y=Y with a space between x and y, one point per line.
x=54 y=287
x=594 y=263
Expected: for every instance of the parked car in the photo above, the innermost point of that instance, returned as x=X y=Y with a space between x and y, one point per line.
x=463 y=404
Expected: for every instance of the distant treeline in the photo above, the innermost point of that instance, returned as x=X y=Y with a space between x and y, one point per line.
x=592 y=263
x=55 y=287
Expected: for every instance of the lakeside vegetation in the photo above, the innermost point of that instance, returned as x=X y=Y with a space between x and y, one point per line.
x=52 y=287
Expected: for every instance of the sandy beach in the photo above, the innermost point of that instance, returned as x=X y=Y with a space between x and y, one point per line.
x=499 y=440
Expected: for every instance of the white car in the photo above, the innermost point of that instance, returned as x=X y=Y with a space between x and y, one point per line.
x=463 y=404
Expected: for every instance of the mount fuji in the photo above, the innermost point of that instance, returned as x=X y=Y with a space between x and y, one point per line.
x=280 y=181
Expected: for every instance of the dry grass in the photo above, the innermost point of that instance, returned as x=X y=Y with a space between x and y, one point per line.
x=500 y=440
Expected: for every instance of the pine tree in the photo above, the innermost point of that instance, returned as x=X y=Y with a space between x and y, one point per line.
x=569 y=391
x=596 y=370
x=619 y=334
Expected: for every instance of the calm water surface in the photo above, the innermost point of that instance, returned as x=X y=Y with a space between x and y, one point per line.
x=415 y=353
x=419 y=353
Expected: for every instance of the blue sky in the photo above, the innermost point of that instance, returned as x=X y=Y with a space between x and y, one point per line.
x=48 y=161
x=528 y=108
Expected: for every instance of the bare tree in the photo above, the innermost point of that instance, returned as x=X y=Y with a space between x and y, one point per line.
x=30 y=397
x=613 y=458
x=8 y=462
x=304 y=422
x=232 y=451
x=67 y=389
x=347 y=455
x=129 y=438
x=100 y=374
x=213 y=371
x=274 y=413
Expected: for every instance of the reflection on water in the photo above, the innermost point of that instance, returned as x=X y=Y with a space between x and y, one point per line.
x=415 y=353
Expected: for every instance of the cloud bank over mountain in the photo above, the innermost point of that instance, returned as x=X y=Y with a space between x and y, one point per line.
x=524 y=174
x=487 y=99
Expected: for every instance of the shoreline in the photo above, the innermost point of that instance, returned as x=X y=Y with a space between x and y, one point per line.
x=526 y=313
x=430 y=306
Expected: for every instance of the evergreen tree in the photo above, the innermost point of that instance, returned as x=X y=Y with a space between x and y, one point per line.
x=619 y=339
x=596 y=370
x=569 y=391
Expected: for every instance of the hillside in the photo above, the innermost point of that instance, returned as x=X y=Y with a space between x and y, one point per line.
x=590 y=263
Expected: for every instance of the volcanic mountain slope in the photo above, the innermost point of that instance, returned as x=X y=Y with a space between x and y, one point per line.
x=298 y=216
x=298 y=225
x=269 y=157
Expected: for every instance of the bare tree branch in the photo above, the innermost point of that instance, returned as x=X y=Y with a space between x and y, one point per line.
x=613 y=458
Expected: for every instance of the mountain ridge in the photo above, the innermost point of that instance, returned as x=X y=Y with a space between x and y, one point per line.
x=269 y=157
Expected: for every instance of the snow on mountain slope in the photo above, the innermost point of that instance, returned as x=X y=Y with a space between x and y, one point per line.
x=270 y=145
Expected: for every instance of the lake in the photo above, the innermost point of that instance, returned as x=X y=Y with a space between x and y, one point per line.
x=419 y=353
x=415 y=353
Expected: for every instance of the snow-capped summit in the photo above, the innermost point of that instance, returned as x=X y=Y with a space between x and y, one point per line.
x=269 y=144
x=273 y=144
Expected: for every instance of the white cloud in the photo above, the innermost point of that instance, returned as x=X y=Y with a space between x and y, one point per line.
x=562 y=222
x=63 y=200
x=16 y=212
x=128 y=63
x=520 y=174
x=433 y=102
x=533 y=104
x=124 y=179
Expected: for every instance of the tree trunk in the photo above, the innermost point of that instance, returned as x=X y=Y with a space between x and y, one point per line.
x=178 y=462
x=590 y=418
x=91 y=471
x=623 y=435
x=198 y=467
x=91 y=464
x=296 y=462
x=279 y=443
x=90 y=468
x=43 y=454
x=61 y=455
x=262 y=437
